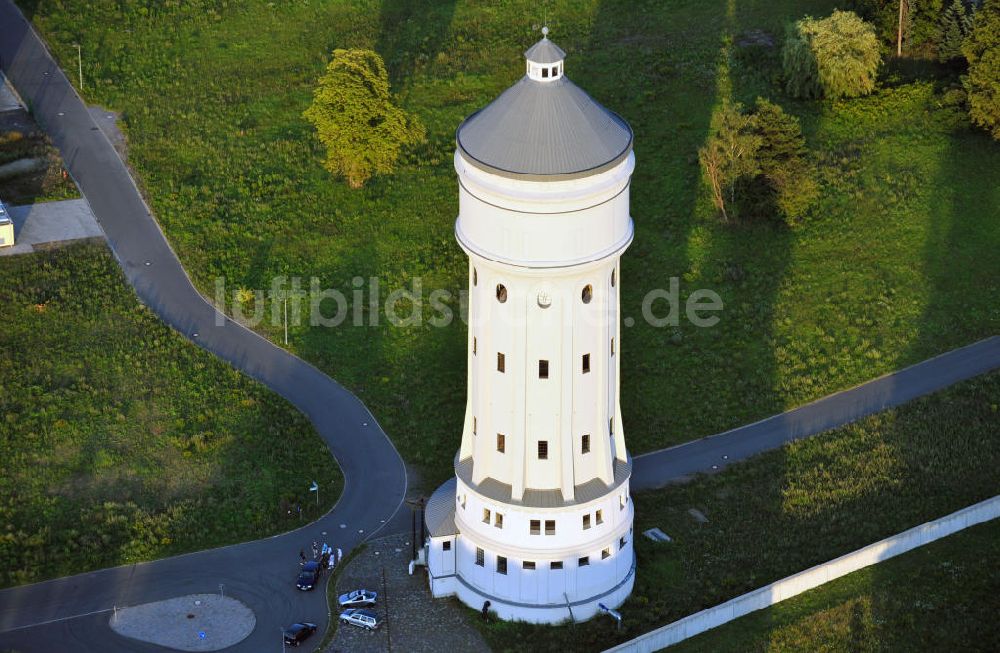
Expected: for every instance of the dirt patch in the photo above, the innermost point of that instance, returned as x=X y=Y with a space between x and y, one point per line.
x=107 y=121
x=755 y=38
x=33 y=169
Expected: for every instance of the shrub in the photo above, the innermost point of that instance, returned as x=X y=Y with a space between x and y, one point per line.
x=982 y=51
x=831 y=57
x=355 y=118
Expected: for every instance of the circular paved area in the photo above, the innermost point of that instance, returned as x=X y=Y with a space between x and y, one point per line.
x=197 y=622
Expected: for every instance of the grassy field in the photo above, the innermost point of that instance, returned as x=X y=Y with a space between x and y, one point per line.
x=120 y=441
x=941 y=597
x=787 y=510
x=895 y=263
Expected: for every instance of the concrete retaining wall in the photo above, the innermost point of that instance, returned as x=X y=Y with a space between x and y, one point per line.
x=811 y=578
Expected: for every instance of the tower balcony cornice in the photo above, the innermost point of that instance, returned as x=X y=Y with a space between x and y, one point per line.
x=547 y=499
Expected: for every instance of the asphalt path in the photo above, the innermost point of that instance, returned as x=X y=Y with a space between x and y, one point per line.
x=72 y=613
x=713 y=453
x=260 y=573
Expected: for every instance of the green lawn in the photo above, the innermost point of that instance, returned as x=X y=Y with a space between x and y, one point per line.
x=787 y=510
x=940 y=597
x=120 y=441
x=894 y=264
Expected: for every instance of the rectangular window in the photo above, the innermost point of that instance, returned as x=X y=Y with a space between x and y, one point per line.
x=611 y=426
x=500 y=362
x=536 y=527
x=473 y=345
x=621 y=502
x=480 y=557
x=486 y=515
x=555 y=565
x=498 y=520
x=463 y=502
x=585 y=443
x=473 y=426
x=550 y=527
x=543 y=369
x=501 y=442
x=605 y=554
x=586 y=363
x=446 y=545
x=612 y=346
x=502 y=565
x=584 y=561
x=586 y=522
x=528 y=565
x=599 y=517
x=545 y=72
x=543 y=449
x=621 y=543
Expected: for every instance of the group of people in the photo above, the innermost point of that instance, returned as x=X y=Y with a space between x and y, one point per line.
x=326 y=556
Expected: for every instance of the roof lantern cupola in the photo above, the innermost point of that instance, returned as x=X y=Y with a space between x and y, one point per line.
x=545 y=60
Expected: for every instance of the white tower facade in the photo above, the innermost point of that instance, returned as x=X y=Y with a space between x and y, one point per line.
x=538 y=519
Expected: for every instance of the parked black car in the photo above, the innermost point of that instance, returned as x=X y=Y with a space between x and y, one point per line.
x=298 y=633
x=309 y=576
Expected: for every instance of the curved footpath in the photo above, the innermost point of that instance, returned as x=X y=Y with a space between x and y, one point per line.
x=261 y=573
x=712 y=453
x=72 y=613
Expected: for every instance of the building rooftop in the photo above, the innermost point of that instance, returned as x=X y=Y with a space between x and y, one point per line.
x=544 y=128
x=545 y=51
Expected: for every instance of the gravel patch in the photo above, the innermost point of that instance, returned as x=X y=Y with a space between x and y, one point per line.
x=197 y=622
x=417 y=622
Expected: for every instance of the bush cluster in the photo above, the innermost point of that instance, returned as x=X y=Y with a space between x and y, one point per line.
x=756 y=164
x=831 y=57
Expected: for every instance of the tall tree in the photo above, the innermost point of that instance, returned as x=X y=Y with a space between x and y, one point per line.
x=729 y=155
x=785 y=172
x=356 y=119
x=955 y=26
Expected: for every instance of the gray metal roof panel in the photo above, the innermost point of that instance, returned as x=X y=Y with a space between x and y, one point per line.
x=439 y=513
x=545 y=51
x=546 y=130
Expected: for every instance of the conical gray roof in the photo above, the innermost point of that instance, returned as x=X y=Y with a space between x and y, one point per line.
x=544 y=130
x=545 y=51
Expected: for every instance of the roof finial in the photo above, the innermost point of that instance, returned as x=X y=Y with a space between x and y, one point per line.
x=545 y=32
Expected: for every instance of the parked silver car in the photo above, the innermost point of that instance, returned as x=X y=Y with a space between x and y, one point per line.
x=361 y=618
x=358 y=599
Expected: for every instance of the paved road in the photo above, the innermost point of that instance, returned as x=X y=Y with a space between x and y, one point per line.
x=674 y=464
x=260 y=573
x=257 y=572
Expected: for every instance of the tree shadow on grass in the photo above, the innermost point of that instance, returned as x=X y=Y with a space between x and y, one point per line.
x=410 y=35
